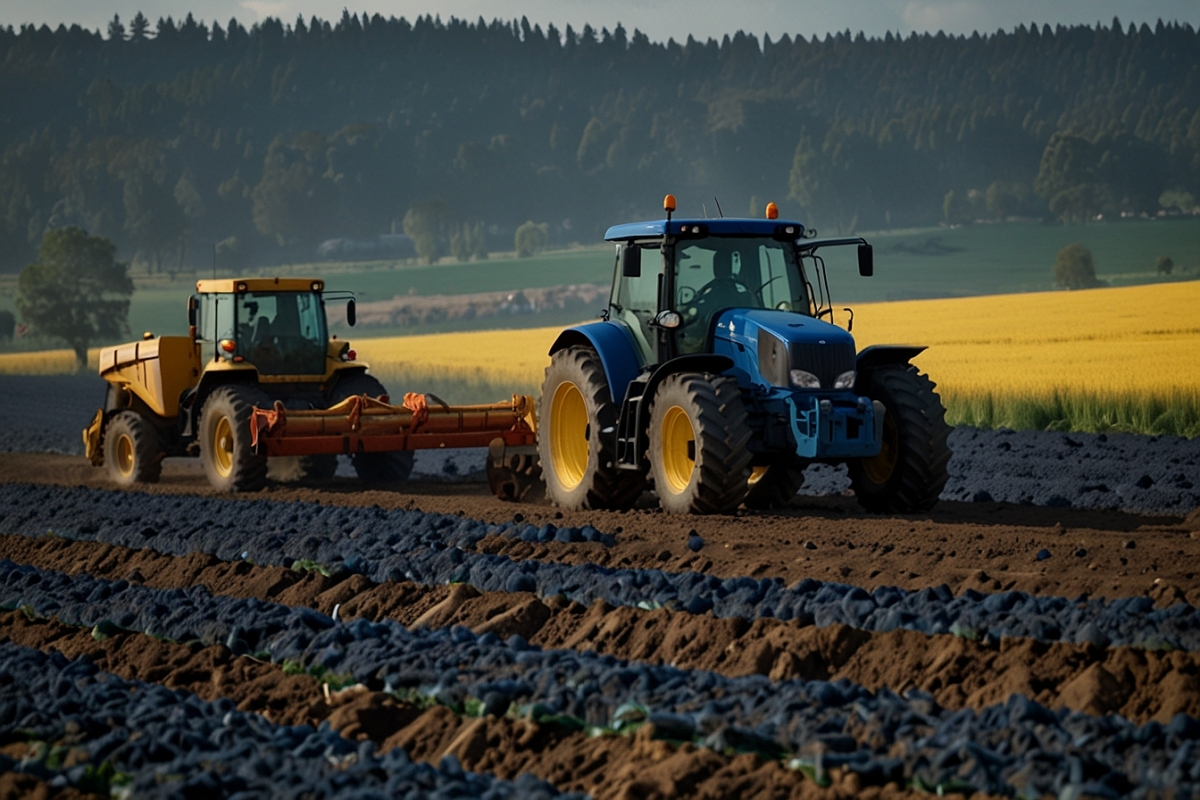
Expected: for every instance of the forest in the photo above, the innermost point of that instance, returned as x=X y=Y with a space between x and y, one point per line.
x=186 y=142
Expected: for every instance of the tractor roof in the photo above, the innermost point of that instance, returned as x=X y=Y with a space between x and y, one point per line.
x=231 y=285
x=726 y=226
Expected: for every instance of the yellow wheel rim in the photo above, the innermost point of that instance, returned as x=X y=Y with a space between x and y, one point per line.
x=678 y=449
x=756 y=475
x=125 y=457
x=222 y=447
x=880 y=468
x=568 y=435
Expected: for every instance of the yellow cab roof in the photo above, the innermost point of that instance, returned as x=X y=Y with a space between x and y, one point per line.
x=231 y=285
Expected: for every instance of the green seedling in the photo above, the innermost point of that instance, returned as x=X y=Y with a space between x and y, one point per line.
x=307 y=565
x=964 y=632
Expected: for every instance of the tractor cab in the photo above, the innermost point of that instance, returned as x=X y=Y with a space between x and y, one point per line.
x=699 y=276
x=675 y=277
x=275 y=325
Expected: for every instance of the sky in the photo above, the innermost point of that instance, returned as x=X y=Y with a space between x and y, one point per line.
x=659 y=19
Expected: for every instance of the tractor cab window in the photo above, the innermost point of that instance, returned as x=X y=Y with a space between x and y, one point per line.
x=636 y=301
x=216 y=317
x=717 y=273
x=282 y=333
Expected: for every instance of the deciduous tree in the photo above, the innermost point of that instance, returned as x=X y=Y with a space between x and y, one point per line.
x=1074 y=268
x=76 y=290
x=531 y=238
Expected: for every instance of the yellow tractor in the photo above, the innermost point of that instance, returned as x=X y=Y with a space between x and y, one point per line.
x=258 y=376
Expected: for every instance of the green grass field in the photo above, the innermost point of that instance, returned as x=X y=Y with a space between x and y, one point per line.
x=958 y=262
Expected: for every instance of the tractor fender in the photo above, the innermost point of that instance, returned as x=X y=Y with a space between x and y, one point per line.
x=697 y=362
x=615 y=346
x=340 y=373
x=886 y=355
x=191 y=401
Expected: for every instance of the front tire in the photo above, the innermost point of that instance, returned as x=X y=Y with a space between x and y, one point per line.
x=229 y=459
x=910 y=471
x=132 y=452
x=698 y=437
x=578 y=459
x=391 y=467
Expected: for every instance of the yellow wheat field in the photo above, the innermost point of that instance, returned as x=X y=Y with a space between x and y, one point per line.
x=1126 y=358
x=1135 y=339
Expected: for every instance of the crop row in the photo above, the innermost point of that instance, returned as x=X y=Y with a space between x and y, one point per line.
x=156 y=742
x=1139 y=684
x=883 y=737
x=434 y=549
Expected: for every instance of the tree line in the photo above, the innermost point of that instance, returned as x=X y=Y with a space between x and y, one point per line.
x=184 y=141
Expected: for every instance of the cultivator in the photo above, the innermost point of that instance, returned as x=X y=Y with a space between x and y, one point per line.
x=364 y=424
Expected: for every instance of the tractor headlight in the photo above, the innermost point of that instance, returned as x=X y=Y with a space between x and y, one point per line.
x=805 y=380
x=845 y=380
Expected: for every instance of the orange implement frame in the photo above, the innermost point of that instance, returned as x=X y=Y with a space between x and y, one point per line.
x=372 y=425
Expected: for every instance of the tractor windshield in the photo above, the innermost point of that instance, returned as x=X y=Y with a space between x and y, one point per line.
x=282 y=333
x=716 y=273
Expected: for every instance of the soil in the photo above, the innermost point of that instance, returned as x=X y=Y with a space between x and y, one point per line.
x=1040 y=513
x=1141 y=685
x=988 y=547
x=15 y=786
x=638 y=766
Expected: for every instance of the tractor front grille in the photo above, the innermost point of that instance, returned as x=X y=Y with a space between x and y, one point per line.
x=826 y=361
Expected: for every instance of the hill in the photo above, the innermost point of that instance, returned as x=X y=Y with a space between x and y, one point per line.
x=186 y=141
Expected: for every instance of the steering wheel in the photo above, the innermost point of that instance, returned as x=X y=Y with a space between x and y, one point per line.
x=768 y=283
x=711 y=287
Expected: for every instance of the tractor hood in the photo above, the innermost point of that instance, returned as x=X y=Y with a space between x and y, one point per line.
x=741 y=326
x=772 y=346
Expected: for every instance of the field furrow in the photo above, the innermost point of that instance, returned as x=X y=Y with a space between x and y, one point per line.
x=154 y=741
x=881 y=737
x=424 y=548
x=1139 y=684
x=984 y=545
x=506 y=747
x=1044 y=645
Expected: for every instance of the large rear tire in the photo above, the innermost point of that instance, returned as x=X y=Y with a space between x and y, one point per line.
x=773 y=486
x=392 y=467
x=225 y=450
x=578 y=460
x=910 y=471
x=132 y=452
x=698 y=436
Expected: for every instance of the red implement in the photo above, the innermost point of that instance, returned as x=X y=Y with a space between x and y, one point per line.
x=372 y=425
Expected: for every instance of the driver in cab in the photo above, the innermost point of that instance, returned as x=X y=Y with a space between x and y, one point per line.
x=723 y=291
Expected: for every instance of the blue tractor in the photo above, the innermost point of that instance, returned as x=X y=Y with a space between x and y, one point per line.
x=714 y=375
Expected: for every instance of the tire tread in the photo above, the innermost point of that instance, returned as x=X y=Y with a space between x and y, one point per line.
x=921 y=468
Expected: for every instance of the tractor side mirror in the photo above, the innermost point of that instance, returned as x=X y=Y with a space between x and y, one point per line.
x=351 y=313
x=866 y=260
x=193 y=307
x=631 y=261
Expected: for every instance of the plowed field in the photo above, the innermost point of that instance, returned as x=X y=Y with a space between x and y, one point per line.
x=1031 y=636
